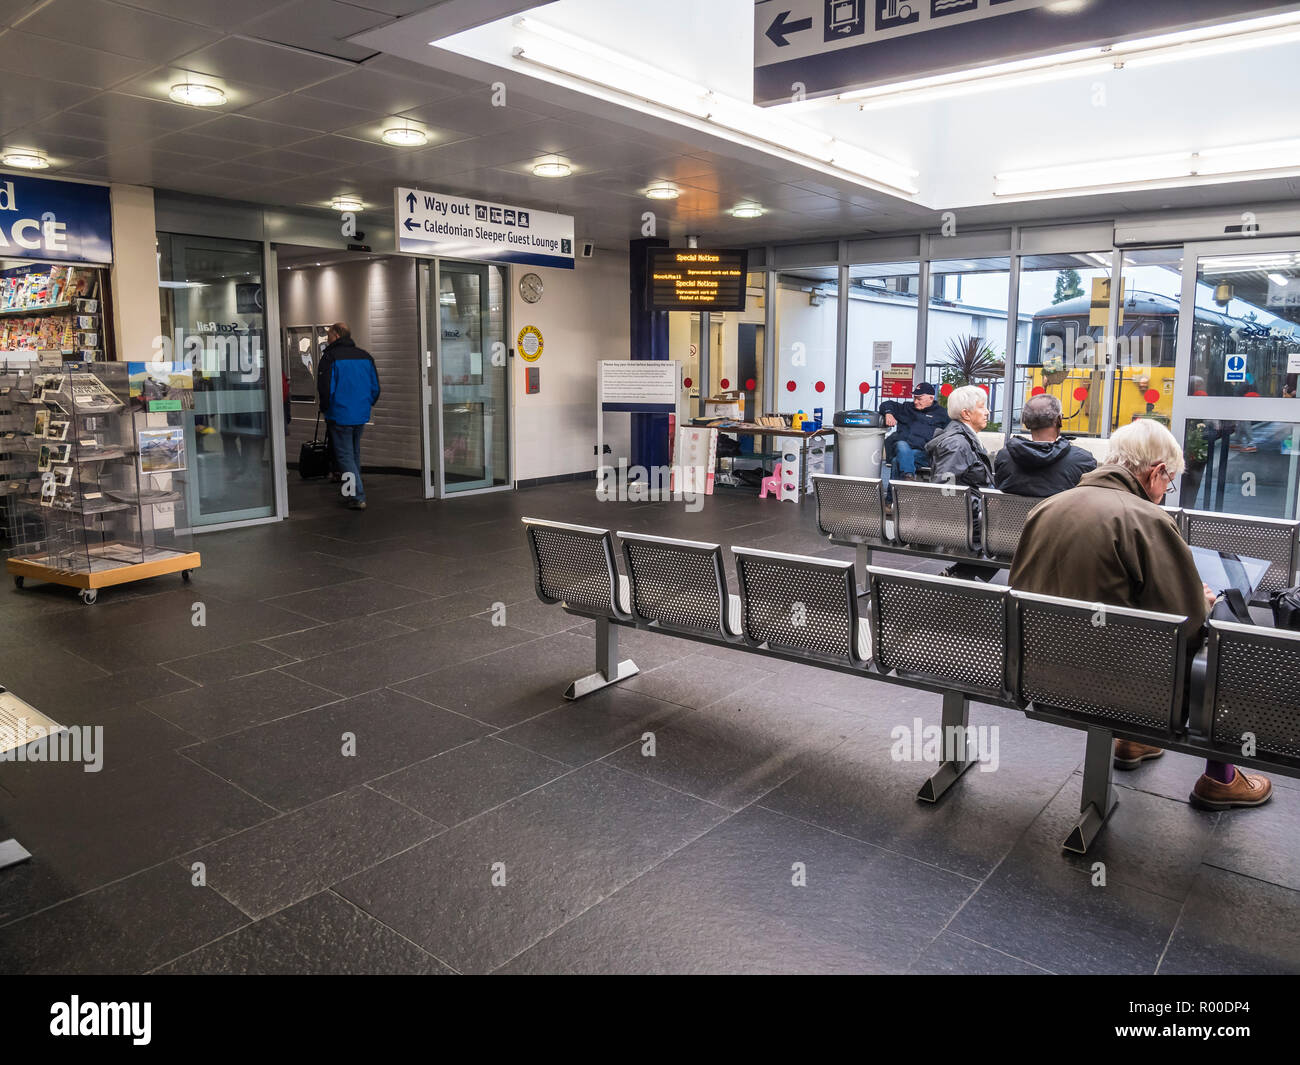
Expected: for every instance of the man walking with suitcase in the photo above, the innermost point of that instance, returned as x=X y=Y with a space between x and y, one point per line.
x=348 y=384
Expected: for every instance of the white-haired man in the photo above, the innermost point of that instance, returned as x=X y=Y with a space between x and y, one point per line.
x=956 y=453
x=1108 y=541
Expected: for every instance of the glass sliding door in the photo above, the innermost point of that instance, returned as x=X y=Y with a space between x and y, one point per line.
x=466 y=377
x=214 y=319
x=1238 y=365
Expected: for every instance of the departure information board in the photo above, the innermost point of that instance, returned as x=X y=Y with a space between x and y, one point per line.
x=693 y=279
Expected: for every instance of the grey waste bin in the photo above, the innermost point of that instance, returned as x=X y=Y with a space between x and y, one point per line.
x=859 y=452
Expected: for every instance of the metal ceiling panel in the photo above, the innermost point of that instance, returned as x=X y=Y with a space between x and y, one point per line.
x=307 y=113
x=243 y=60
x=113 y=28
x=317 y=26
x=376 y=91
x=27 y=55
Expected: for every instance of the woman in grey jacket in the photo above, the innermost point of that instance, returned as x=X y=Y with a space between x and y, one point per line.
x=956 y=454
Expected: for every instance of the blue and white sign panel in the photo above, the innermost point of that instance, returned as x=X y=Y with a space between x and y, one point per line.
x=54 y=220
x=433 y=223
x=1234 y=368
x=820 y=47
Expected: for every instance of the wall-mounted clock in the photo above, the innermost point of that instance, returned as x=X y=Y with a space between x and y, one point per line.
x=530 y=287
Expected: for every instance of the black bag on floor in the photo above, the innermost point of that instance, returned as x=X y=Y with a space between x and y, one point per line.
x=1286 y=608
x=314 y=455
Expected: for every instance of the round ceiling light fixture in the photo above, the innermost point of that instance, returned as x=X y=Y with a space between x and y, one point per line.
x=197 y=94
x=552 y=168
x=663 y=190
x=405 y=136
x=25 y=159
x=746 y=210
x=346 y=203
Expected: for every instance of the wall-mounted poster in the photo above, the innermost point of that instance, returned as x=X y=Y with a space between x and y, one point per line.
x=301 y=355
x=162 y=450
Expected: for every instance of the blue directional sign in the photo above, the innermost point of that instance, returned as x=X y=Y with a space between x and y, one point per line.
x=1234 y=368
x=54 y=220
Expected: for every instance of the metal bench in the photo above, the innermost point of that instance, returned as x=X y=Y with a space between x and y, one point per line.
x=680 y=586
x=574 y=565
x=1107 y=670
x=947 y=633
x=851 y=513
x=1252 y=699
x=1274 y=540
x=935 y=516
x=1004 y=520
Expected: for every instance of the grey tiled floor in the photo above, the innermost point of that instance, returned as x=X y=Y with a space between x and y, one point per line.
x=352 y=768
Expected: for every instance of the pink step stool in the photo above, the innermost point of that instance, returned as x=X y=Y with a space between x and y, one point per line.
x=772 y=484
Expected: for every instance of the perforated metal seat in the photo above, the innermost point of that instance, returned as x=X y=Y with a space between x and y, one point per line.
x=1252 y=691
x=1111 y=666
x=574 y=565
x=850 y=509
x=795 y=603
x=940 y=630
x=680 y=585
x=1272 y=539
x=934 y=515
x=1004 y=520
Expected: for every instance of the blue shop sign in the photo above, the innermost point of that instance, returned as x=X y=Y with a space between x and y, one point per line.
x=58 y=220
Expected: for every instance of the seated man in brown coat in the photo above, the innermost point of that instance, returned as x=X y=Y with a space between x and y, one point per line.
x=1107 y=541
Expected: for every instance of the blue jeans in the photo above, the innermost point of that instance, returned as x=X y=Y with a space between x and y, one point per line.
x=347 y=452
x=905 y=455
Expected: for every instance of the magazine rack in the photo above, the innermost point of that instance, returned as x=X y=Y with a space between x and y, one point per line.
x=106 y=504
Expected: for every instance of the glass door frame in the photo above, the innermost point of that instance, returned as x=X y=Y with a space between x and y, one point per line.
x=1221 y=408
x=428 y=283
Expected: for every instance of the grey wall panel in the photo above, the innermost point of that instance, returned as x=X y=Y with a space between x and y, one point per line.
x=377 y=298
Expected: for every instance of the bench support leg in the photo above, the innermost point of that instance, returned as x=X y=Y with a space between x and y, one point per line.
x=609 y=670
x=11 y=853
x=1099 y=798
x=864 y=560
x=956 y=717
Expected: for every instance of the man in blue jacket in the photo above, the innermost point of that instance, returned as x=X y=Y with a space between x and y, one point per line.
x=917 y=424
x=348 y=384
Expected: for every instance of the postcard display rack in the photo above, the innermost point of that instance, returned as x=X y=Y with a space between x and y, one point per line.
x=106 y=498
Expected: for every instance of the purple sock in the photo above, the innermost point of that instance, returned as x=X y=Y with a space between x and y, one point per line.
x=1220 y=771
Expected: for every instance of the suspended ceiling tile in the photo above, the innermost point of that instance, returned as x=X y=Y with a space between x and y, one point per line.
x=287 y=159
x=318 y=26
x=38 y=99
x=194 y=144
x=252 y=131
x=228 y=15
x=13 y=10
x=26 y=55
x=244 y=172
x=113 y=135
x=396 y=8
x=257 y=63
x=308 y=113
x=54 y=144
x=376 y=91
x=160 y=115
x=344 y=150
x=404 y=68
x=473 y=113
x=113 y=28
x=416 y=170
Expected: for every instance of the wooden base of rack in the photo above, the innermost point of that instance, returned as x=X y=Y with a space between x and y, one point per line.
x=105 y=572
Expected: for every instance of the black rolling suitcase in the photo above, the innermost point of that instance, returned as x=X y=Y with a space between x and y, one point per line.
x=314 y=455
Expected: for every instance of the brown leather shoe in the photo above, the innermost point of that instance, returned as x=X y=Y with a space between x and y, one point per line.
x=1130 y=755
x=1246 y=789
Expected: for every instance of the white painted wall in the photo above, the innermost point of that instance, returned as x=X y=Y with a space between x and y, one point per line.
x=583 y=316
x=134 y=276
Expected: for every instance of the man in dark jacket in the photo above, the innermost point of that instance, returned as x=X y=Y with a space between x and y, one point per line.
x=917 y=423
x=1108 y=541
x=348 y=384
x=1044 y=464
x=956 y=454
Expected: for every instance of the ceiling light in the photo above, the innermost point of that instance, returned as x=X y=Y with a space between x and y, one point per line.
x=552 y=168
x=196 y=94
x=25 y=159
x=663 y=190
x=346 y=203
x=1279 y=280
x=405 y=136
x=746 y=210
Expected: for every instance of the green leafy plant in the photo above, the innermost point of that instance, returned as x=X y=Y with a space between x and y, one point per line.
x=971 y=360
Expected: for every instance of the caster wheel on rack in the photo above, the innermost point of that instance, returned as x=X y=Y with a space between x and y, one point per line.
x=89 y=595
x=185 y=575
x=18 y=582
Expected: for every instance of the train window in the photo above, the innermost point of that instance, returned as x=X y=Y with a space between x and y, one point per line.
x=1246 y=327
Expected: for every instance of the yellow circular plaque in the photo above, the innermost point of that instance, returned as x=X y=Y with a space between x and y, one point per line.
x=529 y=343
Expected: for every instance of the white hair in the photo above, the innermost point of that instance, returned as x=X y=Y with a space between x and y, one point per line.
x=968 y=397
x=1145 y=443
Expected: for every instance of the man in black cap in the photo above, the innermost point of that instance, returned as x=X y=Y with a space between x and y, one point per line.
x=917 y=423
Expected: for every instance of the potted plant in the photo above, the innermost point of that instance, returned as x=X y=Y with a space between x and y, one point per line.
x=971 y=361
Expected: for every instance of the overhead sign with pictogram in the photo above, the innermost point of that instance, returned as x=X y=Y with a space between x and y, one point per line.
x=433 y=223
x=820 y=47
